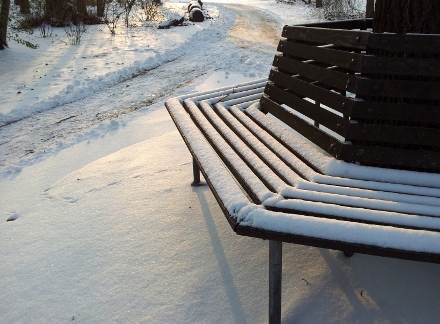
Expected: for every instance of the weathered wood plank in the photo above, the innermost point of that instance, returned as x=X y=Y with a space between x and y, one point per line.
x=343 y=24
x=348 y=60
x=398 y=89
x=400 y=66
x=329 y=98
x=408 y=43
x=386 y=156
x=324 y=117
x=314 y=134
x=396 y=111
x=338 y=80
x=322 y=36
x=428 y=137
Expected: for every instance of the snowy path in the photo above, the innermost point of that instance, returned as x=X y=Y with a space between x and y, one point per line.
x=25 y=139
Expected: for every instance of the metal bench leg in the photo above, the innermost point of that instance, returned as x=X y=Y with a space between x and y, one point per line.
x=196 y=173
x=275 y=279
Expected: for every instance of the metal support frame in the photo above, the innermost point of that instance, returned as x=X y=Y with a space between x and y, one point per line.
x=275 y=280
x=196 y=173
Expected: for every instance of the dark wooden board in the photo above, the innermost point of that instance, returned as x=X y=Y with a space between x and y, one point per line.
x=322 y=36
x=386 y=156
x=398 y=89
x=400 y=66
x=408 y=43
x=329 y=98
x=427 y=137
x=314 y=134
x=343 y=24
x=337 y=245
x=395 y=111
x=338 y=80
x=328 y=119
x=348 y=60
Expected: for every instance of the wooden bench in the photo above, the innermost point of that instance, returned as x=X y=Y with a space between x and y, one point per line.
x=269 y=150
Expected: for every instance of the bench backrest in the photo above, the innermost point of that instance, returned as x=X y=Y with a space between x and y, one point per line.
x=362 y=97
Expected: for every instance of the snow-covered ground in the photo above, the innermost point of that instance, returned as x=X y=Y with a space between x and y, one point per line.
x=94 y=179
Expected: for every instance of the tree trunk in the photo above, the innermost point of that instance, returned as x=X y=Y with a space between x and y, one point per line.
x=4 y=16
x=81 y=8
x=370 y=9
x=407 y=16
x=100 y=5
x=318 y=3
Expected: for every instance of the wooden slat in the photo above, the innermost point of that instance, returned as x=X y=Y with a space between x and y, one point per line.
x=399 y=112
x=330 y=120
x=408 y=43
x=338 y=80
x=400 y=66
x=337 y=245
x=343 y=24
x=321 y=36
x=428 y=137
x=329 y=98
x=314 y=134
x=386 y=156
x=347 y=60
x=398 y=89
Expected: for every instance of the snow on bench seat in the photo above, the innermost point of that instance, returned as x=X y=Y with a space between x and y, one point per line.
x=271 y=183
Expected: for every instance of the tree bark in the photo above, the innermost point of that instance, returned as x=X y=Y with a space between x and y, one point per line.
x=100 y=5
x=407 y=16
x=369 y=12
x=4 y=16
x=81 y=7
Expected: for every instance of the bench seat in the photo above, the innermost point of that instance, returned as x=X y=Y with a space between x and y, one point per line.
x=274 y=184
x=321 y=153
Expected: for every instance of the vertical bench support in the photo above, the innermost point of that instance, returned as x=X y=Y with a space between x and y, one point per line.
x=196 y=173
x=275 y=279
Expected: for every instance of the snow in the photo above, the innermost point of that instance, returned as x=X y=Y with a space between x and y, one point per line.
x=100 y=223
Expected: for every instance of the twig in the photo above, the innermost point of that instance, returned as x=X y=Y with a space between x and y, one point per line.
x=64 y=119
x=225 y=96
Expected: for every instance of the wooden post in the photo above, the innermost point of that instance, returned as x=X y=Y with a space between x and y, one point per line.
x=275 y=279
x=196 y=173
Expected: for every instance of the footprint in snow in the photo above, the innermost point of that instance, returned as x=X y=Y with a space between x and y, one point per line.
x=13 y=217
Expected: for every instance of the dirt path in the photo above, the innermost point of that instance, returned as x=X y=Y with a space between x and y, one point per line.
x=254 y=30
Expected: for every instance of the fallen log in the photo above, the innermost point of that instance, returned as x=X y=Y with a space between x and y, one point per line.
x=196 y=15
x=195 y=4
x=171 y=22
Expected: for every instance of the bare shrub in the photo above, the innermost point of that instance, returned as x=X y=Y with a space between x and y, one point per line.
x=151 y=13
x=342 y=9
x=75 y=31
x=113 y=12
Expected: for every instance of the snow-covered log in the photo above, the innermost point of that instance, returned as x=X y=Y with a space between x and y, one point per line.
x=196 y=15
x=195 y=4
x=195 y=11
x=171 y=22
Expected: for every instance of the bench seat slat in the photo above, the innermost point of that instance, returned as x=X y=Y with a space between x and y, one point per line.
x=244 y=175
x=265 y=154
x=362 y=202
x=320 y=209
x=263 y=172
x=357 y=179
x=296 y=164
